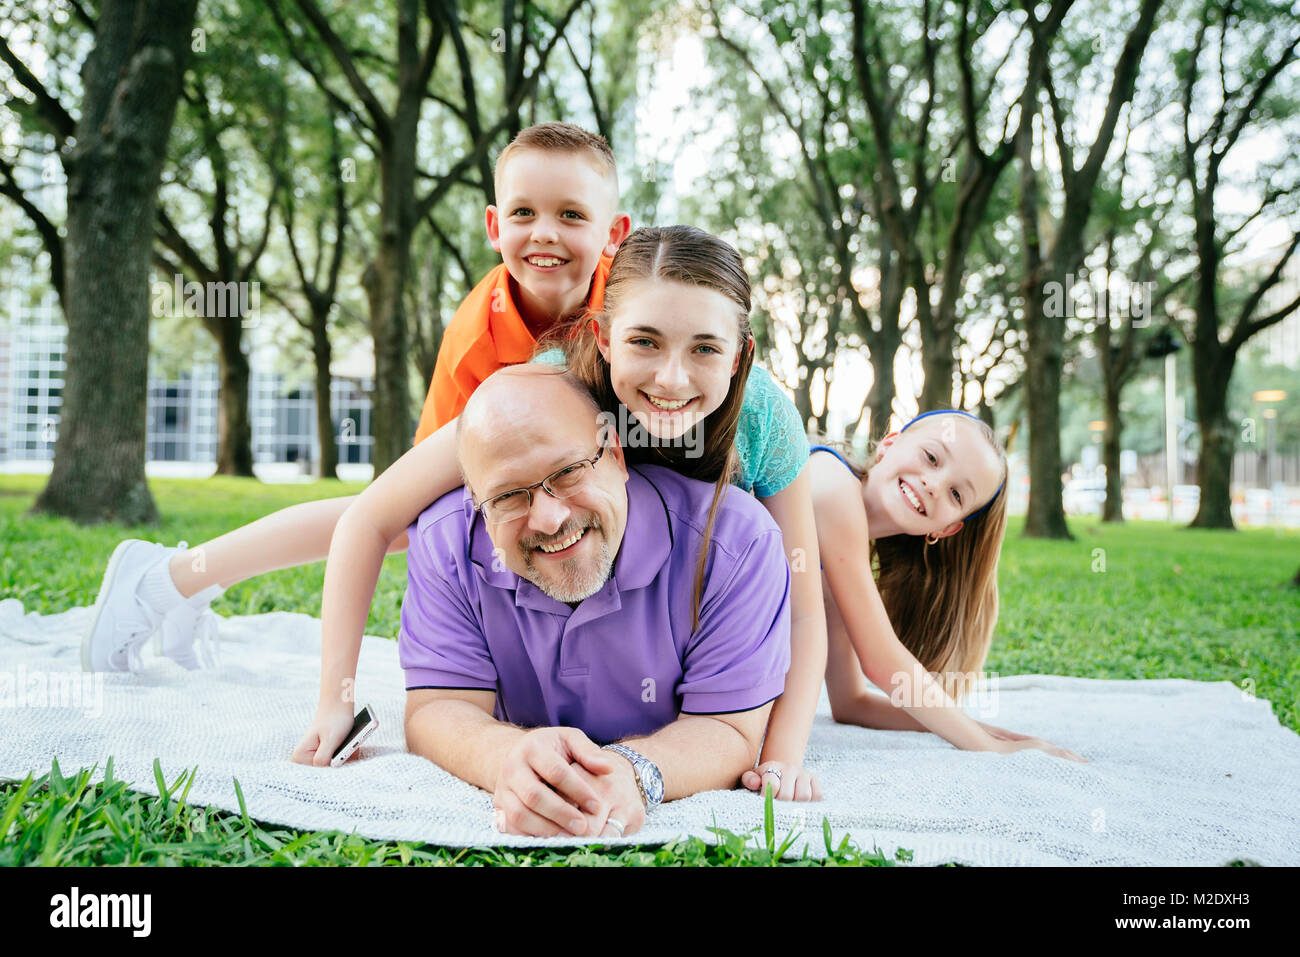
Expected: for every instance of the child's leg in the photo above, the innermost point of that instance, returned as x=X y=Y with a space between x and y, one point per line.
x=147 y=586
x=292 y=536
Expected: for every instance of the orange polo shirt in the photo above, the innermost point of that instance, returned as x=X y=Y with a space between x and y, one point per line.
x=486 y=334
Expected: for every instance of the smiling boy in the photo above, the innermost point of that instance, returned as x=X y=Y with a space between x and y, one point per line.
x=556 y=225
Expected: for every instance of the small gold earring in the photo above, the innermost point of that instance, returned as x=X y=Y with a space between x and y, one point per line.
x=932 y=539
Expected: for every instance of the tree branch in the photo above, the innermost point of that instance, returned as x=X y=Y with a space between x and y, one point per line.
x=48 y=232
x=58 y=120
x=358 y=121
x=379 y=118
x=1245 y=327
x=1246 y=113
x=480 y=146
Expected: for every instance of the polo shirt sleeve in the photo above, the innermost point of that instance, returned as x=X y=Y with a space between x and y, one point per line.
x=441 y=643
x=738 y=658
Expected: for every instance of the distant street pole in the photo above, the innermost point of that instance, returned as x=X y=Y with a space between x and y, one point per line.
x=1270 y=416
x=1171 y=432
x=1267 y=396
x=1163 y=345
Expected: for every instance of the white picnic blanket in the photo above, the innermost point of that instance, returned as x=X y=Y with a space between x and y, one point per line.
x=1182 y=772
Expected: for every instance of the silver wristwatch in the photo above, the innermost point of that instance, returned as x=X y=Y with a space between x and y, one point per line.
x=648 y=779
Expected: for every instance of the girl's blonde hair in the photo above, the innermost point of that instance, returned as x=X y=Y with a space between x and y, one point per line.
x=692 y=257
x=942 y=599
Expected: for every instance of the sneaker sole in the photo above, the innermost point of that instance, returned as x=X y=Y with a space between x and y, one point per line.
x=109 y=572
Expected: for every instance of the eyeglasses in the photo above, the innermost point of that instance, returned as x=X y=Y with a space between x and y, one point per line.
x=562 y=483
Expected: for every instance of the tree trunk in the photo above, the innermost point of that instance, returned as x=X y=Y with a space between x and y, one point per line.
x=321 y=349
x=1044 y=335
x=884 y=345
x=383 y=281
x=1113 y=509
x=936 y=341
x=880 y=400
x=1218 y=437
x=234 y=426
x=1046 y=513
x=1044 y=320
x=1211 y=369
x=132 y=78
x=803 y=400
x=937 y=361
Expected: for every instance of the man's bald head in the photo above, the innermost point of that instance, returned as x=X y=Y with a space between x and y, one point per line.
x=525 y=398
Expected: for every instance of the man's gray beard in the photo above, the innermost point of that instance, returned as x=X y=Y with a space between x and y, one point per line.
x=571 y=589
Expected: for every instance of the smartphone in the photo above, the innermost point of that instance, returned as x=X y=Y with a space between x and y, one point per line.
x=365 y=723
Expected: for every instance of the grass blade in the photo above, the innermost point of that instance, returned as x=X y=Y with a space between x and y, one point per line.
x=769 y=822
x=243 y=808
x=164 y=795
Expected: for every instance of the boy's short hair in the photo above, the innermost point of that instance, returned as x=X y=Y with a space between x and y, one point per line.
x=560 y=138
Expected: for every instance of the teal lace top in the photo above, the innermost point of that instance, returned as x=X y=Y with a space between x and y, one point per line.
x=770 y=440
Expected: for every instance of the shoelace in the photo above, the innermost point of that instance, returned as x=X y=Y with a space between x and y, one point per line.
x=207 y=631
x=134 y=663
x=207 y=636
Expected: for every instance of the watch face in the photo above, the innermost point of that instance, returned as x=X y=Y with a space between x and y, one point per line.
x=653 y=782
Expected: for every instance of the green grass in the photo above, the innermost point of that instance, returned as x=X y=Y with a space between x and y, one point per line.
x=1147 y=600
x=1143 y=600
x=56 y=820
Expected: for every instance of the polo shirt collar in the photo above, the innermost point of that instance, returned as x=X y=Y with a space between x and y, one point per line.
x=647 y=543
x=648 y=540
x=511 y=340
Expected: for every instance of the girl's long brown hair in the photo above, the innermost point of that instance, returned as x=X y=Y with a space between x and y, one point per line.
x=942 y=599
x=692 y=257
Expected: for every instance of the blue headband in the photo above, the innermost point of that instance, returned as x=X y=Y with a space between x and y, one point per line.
x=925 y=415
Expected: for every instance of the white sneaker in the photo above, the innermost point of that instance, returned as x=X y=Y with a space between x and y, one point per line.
x=190 y=632
x=122 y=620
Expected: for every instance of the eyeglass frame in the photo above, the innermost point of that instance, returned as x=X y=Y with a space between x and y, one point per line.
x=528 y=490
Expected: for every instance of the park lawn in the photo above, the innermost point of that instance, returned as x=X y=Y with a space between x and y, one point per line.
x=1142 y=600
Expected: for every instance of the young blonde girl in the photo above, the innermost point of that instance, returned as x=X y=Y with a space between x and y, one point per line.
x=929 y=512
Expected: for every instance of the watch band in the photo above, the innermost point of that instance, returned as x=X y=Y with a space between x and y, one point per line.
x=637 y=761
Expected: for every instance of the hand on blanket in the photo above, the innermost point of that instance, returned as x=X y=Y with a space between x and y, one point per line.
x=620 y=796
x=794 y=784
x=545 y=789
x=328 y=729
x=1011 y=741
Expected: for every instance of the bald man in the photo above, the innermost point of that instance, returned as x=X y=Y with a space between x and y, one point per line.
x=546 y=628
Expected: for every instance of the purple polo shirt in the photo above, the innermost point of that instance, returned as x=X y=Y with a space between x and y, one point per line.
x=625 y=661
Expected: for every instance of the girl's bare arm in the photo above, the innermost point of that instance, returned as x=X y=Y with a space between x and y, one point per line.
x=374 y=524
x=843 y=535
x=792 y=713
